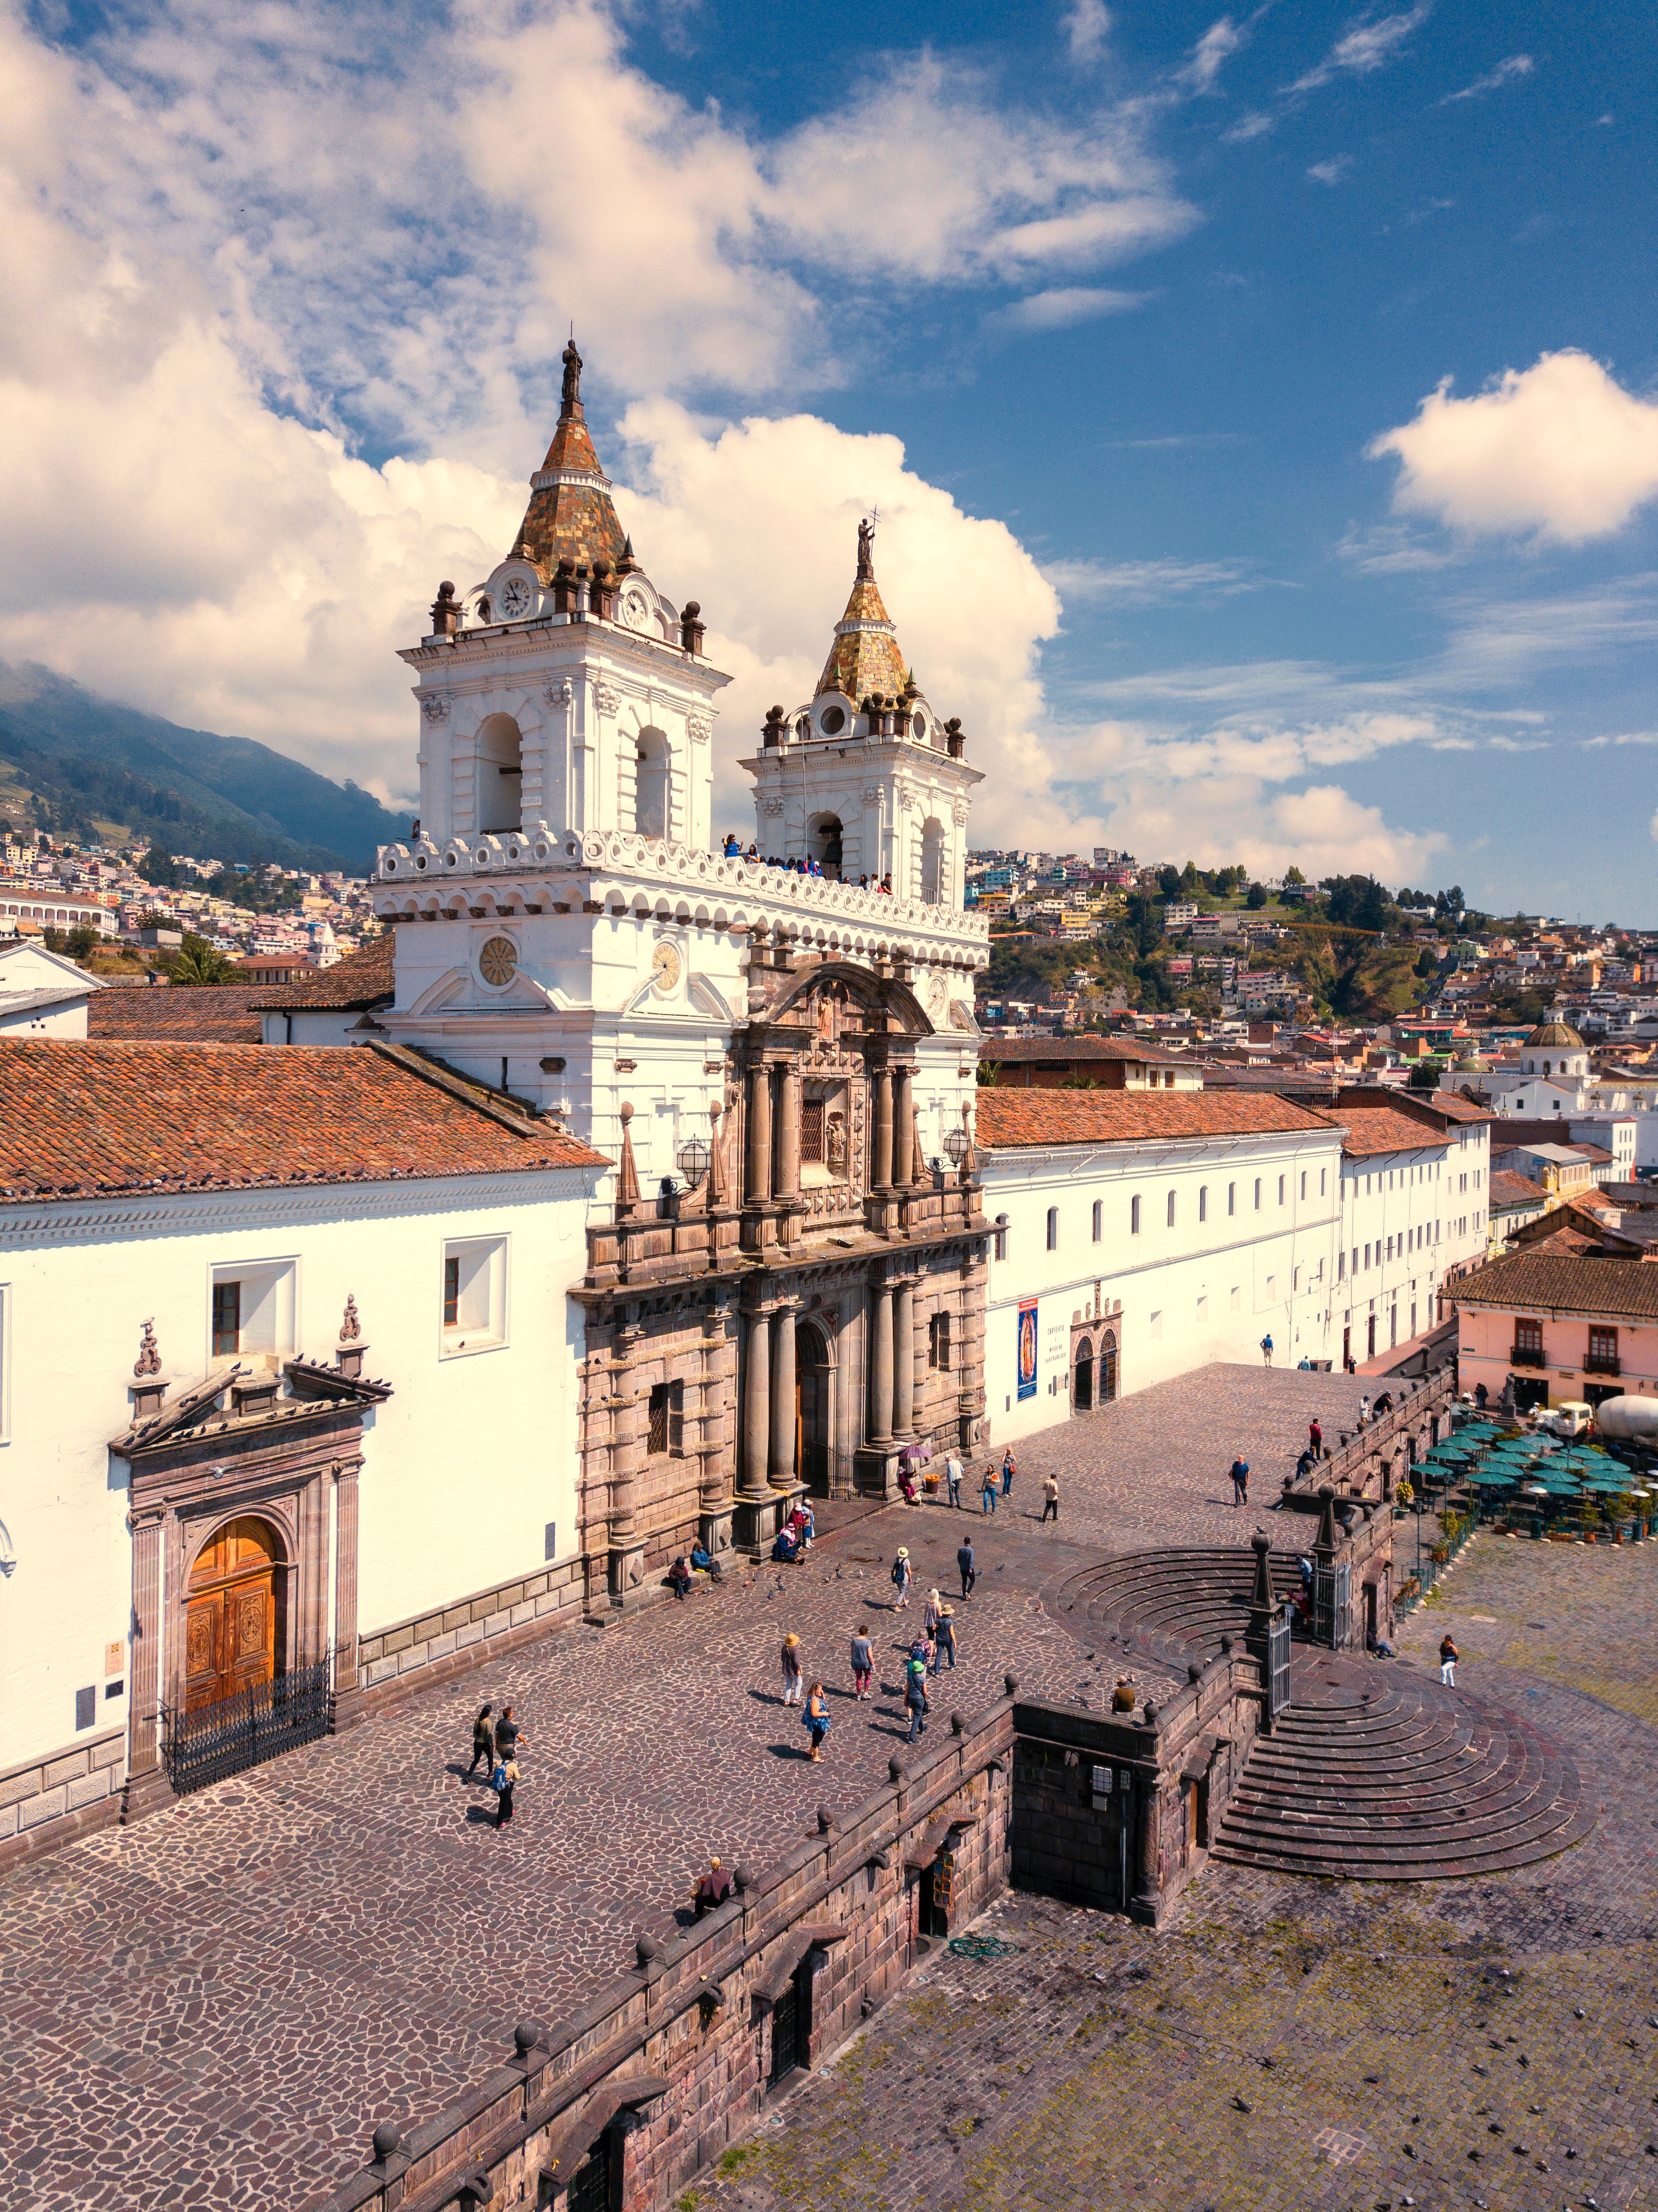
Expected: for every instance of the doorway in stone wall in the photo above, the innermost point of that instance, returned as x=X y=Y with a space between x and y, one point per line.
x=234 y=1625
x=814 y=1394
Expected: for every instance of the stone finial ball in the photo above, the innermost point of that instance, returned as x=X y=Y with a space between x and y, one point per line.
x=645 y=1949
x=386 y=2138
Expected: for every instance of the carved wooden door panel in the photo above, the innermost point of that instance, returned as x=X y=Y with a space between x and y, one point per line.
x=204 y=1634
x=231 y=1619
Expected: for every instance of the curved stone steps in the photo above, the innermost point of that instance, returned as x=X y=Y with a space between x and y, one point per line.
x=1173 y=1605
x=1413 y=1783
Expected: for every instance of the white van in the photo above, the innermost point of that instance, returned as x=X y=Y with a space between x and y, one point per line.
x=1571 y=1419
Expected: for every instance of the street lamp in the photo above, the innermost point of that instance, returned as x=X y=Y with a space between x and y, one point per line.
x=956 y=1146
x=692 y=1159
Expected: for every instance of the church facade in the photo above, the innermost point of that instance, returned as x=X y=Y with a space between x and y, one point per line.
x=785 y=1271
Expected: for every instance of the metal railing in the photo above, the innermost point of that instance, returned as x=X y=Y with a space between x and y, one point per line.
x=244 y=1730
x=1527 y=1355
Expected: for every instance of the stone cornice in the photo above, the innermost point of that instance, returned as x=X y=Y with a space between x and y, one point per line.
x=51 y=1222
x=472 y=660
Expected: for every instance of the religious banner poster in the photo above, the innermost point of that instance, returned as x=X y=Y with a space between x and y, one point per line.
x=1027 y=1348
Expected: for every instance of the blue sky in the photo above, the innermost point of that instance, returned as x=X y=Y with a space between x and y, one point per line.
x=1155 y=302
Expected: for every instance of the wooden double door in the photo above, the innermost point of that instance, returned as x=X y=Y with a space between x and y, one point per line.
x=234 y=1620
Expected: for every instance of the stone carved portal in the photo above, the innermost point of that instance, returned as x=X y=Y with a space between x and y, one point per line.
x=814 y=1392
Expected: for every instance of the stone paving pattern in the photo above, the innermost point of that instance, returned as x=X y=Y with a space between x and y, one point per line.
x=216 y=2006
x=1290 y=2044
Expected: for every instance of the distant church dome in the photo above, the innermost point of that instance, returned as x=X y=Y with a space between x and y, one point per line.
x=1556 y=1033
x=1472 y=1066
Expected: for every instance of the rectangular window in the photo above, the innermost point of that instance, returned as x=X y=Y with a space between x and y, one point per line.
x=1367 y=1256
x=1170 y=1210
x=1321 y=1174
x=227 y=1320
x=474 y=1305
x=1099 y=1219
x=1203 y=1201
x=1231 y=1198
x=1304 y=1182
x=1341 y=1267
x=939 y=1347
x=1603 y=1350
x=1053 y=1228
x=1528 y=1336
x=1000 y=1238
x=1280 y=1190
x=1133 y=1217
x=1257 y=1194
x=667 y=1420
x=812 y=1131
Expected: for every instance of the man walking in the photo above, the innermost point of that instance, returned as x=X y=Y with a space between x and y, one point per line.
x=1239 y=1482
x=1051 y=1498
x=1266 y=1350
x=1449 y=1656
x=1316 y=1438
x=953 y=1479
x=964 y=1561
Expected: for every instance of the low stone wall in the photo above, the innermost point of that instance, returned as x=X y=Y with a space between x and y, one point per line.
x=445 y=1639
x=69 y=1793
x=1367 y=1462
x=676 y=2058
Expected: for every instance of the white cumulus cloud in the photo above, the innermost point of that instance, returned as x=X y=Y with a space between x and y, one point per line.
x=1560 y=450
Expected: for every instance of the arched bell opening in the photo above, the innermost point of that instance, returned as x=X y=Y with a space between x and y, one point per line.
x=499 y=773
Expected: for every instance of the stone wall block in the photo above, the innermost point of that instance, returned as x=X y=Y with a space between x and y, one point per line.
x=88 y=1789
x=48 y=1806
x=25 y=1782
x=65 y=1769
x=111 y=1752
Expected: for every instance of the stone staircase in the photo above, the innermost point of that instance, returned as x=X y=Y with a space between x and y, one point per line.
x=1174 y=1606
x=1377 y=1775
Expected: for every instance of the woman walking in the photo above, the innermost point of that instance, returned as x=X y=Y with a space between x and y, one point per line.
x=862 y=1664
x=901 y=1577
x=1010 y=1469
x=987 y=1489
x=930 y=1615
x=817 y=1719
x=483 y=1745
x=506 y=1780
x=945 y=1642
x=791 y=1656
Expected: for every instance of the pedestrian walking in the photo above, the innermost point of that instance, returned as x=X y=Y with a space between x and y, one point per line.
x=1266 y=1352
x=964 y=1561
x=988 y=1492
x=1010 y=1469
x=1240 y=1474
x=1449 y=1656
x=1316 y=1438
x=1051 y=1498
x=817 y=1719
x=507 y=1735
x=901 y=1577
x=483 y=1745
x=915 y=1696
x=953 y=1479
x=944 y=1645
x=931 y=1612
x=505 y=1779
x=862 y=1664
x=791 y=1656
x=1364 y=1409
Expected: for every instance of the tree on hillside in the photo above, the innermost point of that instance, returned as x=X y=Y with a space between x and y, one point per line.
x=1357 y=902
x=1255 y=897
x=1293 y=875
x=158 y=868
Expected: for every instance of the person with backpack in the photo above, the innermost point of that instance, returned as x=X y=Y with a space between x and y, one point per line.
x=817 y=1719
x=483 y=1745
x=1266 y=1352
x=944 y=1642
x=964 y=1561
x=915 y=1696
x=504 y=1780
x=901 y=1578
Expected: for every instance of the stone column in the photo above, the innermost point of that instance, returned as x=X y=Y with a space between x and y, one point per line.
x=348 y=1691
x=756 y=1407
x=788 y=1132
x=903 y=1363
x=783 y=1404
x=758 y=1175
x=717 y=1392
x=880 y=1366
x=903 y=1127
x=626 y=1565
x=883 y=1167
x=1147 y=1900
x=147 y=1785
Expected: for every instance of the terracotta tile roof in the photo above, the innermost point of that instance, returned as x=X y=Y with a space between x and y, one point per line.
x=90 y=1120
x=1507 y=1190
x=576 y=522
x=1560 y=1283
x=362 y=978
x=1006 y=1120
x=1372 y=1130
x=171 y=1013
x=1007 y=1050
x=1456 y=1105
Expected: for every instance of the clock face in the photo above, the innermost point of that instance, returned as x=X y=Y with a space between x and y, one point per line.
x=635 y=610
x=498 y=960
x=664 y=968
x=515 y=597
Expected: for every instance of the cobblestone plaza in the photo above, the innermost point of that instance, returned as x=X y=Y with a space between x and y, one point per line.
x=216 y=2006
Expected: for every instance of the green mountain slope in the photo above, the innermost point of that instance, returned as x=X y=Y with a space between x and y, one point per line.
x=88 y=767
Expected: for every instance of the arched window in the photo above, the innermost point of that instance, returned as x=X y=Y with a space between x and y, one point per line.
x=1203 y=1202
x=1171 y=1209
x=500 y=774
x=1099 y=1219
x=654 y=771
x=823 y=844
x=1231 y=1198
x=934 y=865
x=1133 y=1217
x=1053 y=1228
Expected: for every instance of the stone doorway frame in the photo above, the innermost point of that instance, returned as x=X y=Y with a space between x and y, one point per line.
x=820 y=1321
x=1099 y=1326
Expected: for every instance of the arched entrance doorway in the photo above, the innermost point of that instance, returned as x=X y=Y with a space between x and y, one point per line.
x=814 y=1394
x=1109 y=1368
x=235 y=1629
x=1082 y=1398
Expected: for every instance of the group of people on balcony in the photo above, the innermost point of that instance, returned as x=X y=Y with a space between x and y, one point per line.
x=734 y=850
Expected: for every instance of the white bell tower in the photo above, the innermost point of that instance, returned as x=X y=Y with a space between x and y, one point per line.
x=866 y=780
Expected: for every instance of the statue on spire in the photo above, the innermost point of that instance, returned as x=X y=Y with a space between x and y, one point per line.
x=571 y=403
x=866 y=549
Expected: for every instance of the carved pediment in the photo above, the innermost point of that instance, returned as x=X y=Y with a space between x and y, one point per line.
x=835 y=999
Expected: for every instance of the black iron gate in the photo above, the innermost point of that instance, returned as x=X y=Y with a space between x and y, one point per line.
x=246 y=1729
x=1278 y=1665
x=1332 y=1597
x=590 y=2184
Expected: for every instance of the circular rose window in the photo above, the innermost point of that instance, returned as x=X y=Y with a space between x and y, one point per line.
x=920 y=726
x=498 y=961
x=832 y=721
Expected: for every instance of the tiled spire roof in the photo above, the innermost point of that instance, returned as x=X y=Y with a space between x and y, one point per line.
x=569 y=519
x=865 y=656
